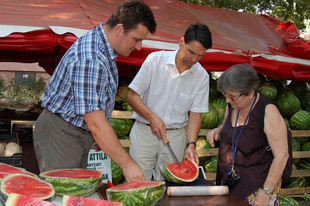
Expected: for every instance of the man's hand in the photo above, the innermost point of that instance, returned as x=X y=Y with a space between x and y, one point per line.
x=132 y=172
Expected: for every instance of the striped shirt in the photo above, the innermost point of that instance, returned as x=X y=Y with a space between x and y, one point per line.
x=85 y=80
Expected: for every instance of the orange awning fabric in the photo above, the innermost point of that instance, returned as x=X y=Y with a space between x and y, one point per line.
x=42 y=31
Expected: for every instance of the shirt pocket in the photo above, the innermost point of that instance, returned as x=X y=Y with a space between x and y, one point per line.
x=183 y=103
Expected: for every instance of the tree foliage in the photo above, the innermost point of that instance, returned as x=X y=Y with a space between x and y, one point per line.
x=296 y=11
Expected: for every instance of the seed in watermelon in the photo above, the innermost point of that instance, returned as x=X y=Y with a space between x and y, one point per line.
x=6 y=169
x=188 y=172
x=142 y=193
x=25 y=184
x=24 y=200
x=79 y=201
x=75 y=182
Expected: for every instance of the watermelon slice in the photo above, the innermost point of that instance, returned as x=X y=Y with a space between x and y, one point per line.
x=23 y=200
x=75 y=182
x=27 y=185
x=142 y=193
x=188 y=172
x=78 y=201
x=6 y=169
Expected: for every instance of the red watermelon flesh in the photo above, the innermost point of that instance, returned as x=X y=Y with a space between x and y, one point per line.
x=27 y=185
x=74 y=173
x=23 y=200
x=78 y=201
x=187 y=172
x=6 y=169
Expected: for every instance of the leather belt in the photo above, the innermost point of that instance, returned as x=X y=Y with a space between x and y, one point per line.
x=166 y=128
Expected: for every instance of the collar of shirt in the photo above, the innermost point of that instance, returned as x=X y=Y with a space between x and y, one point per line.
x=105 y=41
x=171 y=61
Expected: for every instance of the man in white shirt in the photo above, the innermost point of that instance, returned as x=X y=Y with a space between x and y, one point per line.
x=170 y=92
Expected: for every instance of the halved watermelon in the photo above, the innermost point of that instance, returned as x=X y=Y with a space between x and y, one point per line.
x=6 y=169
x=23 y=200
x=25 y=184
x=75 y=182
x=188 y=172
x=78 y=201
x=142 y=193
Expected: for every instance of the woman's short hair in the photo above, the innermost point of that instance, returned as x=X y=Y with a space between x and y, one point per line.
x=241 y=78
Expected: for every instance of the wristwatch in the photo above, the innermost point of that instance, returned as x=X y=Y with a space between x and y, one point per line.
x=194 y=143
x=267 y=190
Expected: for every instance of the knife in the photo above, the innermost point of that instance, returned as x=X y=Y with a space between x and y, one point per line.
x=174 y=157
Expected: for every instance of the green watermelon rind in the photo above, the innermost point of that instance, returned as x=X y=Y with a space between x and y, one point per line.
x=73 y=186
x=300 y=120
x=8 y=177
x=287 y=200
x=172 y=178
x=143 y=196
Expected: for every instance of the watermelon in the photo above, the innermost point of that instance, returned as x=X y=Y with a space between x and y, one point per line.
x=299 y=88
x=210 y=164
x=209 y=120
x=213 y=93
x=300 y=120
x=79 y=201
x=288 y=104
x=202 y=144
x=262 y=78
x=6 y=169
x=279 y=84
x=142 y=193
x=122 y=92
x=298 y=183
x=121 y=126
x=295 y=145
x=220 y=106
x=25 y=184
x=24 y=200
x=188 y=172
x=117 y=172
x=305 y=147
x=303 y=164
x=75 y=182
x=268 y=90
x=287 y=201
x=305 y=100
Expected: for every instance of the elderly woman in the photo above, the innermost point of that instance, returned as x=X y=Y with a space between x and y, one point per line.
x=245 y=166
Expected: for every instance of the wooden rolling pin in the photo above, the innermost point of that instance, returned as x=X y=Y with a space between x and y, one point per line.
x=197 y=190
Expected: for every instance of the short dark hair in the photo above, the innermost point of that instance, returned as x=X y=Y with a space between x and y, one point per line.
x=198 y=32
x=131 y=14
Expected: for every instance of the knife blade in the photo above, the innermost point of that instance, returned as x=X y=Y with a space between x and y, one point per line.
x=174 y=157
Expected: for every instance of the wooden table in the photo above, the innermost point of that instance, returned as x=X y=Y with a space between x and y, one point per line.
x=219 y=200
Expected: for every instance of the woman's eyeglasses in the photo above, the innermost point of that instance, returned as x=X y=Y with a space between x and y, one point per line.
x=232 y=97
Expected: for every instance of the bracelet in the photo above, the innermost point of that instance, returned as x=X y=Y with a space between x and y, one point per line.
x=267 y=190
x=194 y=143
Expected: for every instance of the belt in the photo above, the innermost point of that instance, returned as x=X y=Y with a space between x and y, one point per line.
x=166 y=128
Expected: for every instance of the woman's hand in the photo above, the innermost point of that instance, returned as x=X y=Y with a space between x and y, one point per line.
x=262 y=199
x=212 y=136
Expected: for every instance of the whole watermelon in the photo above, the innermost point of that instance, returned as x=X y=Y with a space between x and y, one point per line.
x=121 y=126
x=268 y=90
x=202 y=144
x=300 y=120
x=305 y=100
x=299 y=88
x=262 y=78
x=84 y=201
x=295 y=145
x=305 y=146
x=213 y=93
x=220 y=106
x=210 y=164
x=209 y=120
x=287 y=201
x=142 y=193
x=279 y=84
x=288 y=104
